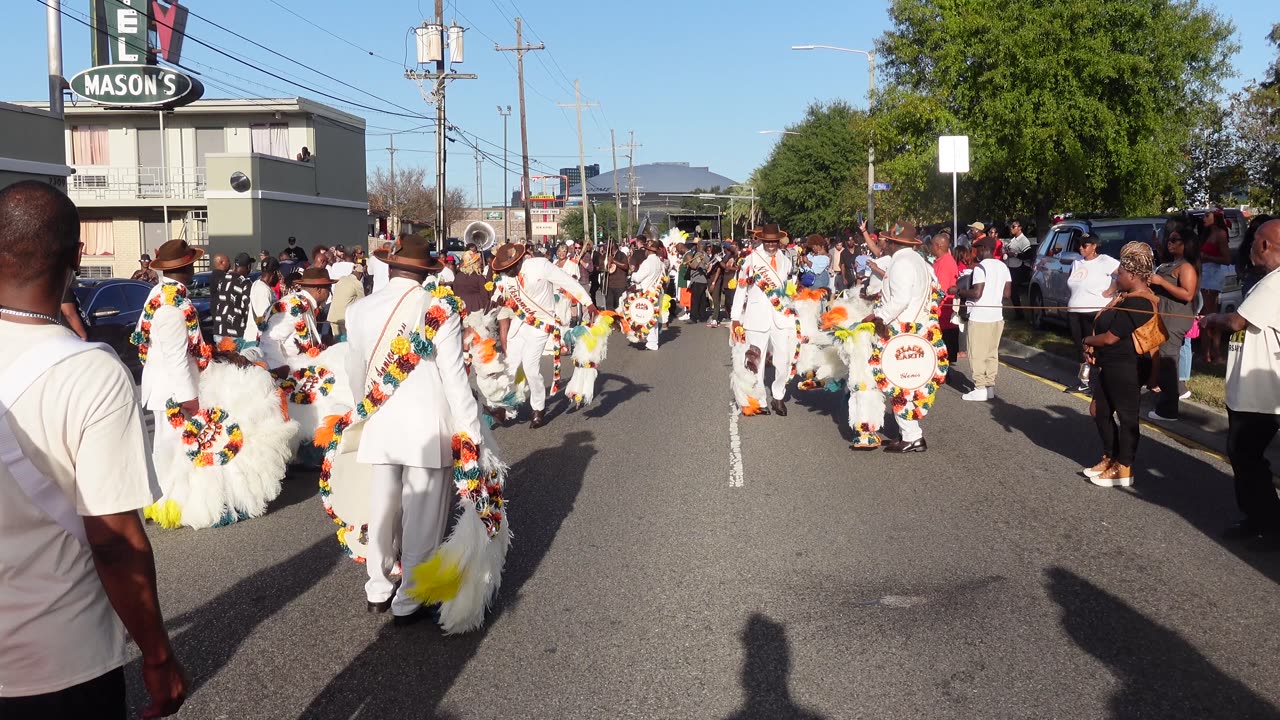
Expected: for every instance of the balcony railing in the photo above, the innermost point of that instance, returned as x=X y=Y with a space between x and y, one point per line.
x=114 y=182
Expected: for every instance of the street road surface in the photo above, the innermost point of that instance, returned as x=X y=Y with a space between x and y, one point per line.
x=651 y=577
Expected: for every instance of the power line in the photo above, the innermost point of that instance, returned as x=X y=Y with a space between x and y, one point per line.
x=334 y=35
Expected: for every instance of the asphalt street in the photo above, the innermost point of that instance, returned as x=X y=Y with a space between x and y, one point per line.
x=649 y=579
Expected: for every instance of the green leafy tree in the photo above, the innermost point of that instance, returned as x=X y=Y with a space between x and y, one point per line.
x=1084 y=104
x=1255 y=125
x=606 y=221
x=815 y=180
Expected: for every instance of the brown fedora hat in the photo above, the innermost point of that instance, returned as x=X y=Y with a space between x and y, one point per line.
x=315 y=277
x=902 y=232
x=175 y=254
x=412 y=253
x=507 y=255
x=770 y=232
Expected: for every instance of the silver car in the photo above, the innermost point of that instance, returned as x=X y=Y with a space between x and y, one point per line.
x=1060 y=250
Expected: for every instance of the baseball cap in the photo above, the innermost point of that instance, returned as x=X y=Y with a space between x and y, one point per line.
x=978 y=226
x=270 y=264
x=243 y=260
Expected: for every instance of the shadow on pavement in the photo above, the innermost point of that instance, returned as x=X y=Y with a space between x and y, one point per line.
x=833 y=405
x=608 y=399
x=299 y=486
x=406 y=672
x=766 y=674
x=1160 y=674
x=1173 y=478
x=207 y=638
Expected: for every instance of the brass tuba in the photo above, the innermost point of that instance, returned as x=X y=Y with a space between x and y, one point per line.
x=482 y=234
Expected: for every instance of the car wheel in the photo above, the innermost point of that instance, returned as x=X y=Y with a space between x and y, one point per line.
x=1037 y=313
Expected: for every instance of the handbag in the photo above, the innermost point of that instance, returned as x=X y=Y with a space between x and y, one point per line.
x=1148 y=338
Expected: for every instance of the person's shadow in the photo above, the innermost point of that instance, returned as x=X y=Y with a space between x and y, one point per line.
x=766 y=674
x=407 y=671
x=1160 y=674
x=614 y=391
x=207 y=638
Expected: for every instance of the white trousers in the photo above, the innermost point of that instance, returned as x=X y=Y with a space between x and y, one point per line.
x=651 y=341
x=782 y=344
x=909 y=429
x=524 y=350
x=409 y=504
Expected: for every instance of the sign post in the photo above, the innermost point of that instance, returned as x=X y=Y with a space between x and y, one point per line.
x=953 y=157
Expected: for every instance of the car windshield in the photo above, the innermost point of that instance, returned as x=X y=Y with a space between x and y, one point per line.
x=199 y=286
x=1114 y=237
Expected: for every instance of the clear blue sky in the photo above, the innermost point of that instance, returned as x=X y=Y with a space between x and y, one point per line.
x=695 y=79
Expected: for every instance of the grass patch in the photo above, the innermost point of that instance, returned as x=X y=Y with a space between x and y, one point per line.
x=1208 y=384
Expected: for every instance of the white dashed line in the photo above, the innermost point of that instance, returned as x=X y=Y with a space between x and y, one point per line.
x=735 y=448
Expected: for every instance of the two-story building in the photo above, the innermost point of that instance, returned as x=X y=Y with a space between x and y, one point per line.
x=31 y=146
x=230 y=175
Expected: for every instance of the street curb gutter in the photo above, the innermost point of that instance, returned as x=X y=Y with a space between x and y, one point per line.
x=1199 y=425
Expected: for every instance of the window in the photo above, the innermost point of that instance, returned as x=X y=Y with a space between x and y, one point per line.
x=135 y=296
x=108 y=297
x=98 y=237
x=271 y=139
x=1114 y=237
x=95 y=272
x=1057 y=243
x=89 y=145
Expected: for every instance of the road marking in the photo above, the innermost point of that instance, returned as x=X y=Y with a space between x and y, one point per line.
x=1180 y=439
x=735 y=448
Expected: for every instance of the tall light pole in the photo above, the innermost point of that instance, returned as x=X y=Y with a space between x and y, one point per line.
x=777 y=132
x=506 y=199
x=871 y=148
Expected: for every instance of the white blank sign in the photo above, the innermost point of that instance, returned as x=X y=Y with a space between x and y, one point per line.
x=953 y=154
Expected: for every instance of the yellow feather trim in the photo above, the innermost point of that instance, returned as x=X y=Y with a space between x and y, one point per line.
x=437 y=580
x=167 y=515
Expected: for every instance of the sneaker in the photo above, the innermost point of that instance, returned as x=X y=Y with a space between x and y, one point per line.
x=1098 y=469
x=977 y=395
x=1157 y=417
x=713 y=323
x=1082 y=388
x=1115 y=476
x=1184 y=392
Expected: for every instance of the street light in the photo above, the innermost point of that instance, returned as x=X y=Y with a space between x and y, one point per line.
x=871 y=150
x=778 y=132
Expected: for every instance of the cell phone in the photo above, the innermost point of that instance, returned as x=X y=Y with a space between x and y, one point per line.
x=860 y=216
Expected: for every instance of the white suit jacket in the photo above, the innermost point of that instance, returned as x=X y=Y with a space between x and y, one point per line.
x=415 y=426
x=538 y=281
x=171 y=372
x=278 y=343
x=751 y=306
x=905 y=293
x=651 y=271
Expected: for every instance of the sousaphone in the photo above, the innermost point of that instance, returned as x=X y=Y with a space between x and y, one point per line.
x=482 y=234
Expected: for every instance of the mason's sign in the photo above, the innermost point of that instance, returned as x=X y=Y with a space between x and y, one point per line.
x=132 y=85
x=125 y=72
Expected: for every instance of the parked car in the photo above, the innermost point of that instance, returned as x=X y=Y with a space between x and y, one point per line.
x=110 y=310
x=1060 y=249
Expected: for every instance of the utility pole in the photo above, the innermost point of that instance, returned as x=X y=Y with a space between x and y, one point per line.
x=520 y=49
x=479 y=185
x=394 y=230
x=617 y=199
x=582 y=158
x=431 y=48
x=53 y=23
x=506 y=197
x=631 y=181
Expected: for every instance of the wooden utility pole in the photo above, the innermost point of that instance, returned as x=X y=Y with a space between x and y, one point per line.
x=393 y=216
x=520 y=49
x=617 y=199
x=440 y=77
x=631 y=181
x=582 y=158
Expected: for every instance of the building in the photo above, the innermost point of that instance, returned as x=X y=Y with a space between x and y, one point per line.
x=31 y=146
x=225 y=174
x=653 y=183
x=575 y=176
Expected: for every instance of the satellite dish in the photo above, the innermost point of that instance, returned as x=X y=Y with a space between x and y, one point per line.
x=240 y=182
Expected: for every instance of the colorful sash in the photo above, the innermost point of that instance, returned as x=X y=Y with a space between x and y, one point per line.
x=527 y=312
x=781 y=303
x=301 y=309
x=171 y=293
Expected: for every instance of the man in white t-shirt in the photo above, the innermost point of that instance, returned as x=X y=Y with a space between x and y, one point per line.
x=76 y=568
x=1253 y=391
x=990 y=290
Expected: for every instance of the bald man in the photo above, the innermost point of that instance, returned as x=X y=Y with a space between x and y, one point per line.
x=1253 y=392
x=77 y=565
x=221 y=266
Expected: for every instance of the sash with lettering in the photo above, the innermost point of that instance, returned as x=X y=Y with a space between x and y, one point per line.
x=764 y=277
x=536 y=317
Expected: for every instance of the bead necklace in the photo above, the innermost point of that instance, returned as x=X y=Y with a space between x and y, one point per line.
x=28 y=314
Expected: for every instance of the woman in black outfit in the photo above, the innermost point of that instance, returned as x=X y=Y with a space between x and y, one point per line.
x=1175 y=282
x=1111 y=351
x=469 y=283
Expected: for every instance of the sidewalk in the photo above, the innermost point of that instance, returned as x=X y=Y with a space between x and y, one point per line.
x=1199 y=426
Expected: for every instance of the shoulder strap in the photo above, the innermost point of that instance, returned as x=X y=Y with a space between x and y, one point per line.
x=43 y=492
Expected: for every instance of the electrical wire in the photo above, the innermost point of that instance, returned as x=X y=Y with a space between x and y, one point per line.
x=335 y=35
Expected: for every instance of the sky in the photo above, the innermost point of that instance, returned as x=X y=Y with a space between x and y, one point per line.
x=695 y=79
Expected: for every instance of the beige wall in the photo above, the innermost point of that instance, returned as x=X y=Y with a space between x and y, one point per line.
x=339 y=160
x=31 y=136
x=515 y=222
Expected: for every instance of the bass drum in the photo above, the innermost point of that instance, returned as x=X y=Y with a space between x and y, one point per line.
x=346 y=496
x=642 y=311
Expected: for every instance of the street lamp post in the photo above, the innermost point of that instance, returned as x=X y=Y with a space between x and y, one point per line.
x=506 y=199
x=871 y=148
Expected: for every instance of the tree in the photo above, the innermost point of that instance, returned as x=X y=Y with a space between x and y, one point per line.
x=1084 y=104
x=405 y=198
x=1255 y=124
x=605 y=220
x=815 y=180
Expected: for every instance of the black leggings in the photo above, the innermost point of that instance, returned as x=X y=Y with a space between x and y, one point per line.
x=1081 y=327
x=102 y=698
x=697 y=301
x=1116 y=394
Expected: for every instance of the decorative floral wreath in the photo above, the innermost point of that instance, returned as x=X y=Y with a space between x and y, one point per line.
x=298 y=305
x=913 y=404
x=778 y=297
x=171 y=294
x=640 y=333
x=305 y=385
x=203 y=431
x=407 y=352
x=481 y=490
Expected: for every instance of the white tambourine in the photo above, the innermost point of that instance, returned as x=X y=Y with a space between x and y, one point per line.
x=909 y=361
x=642 y=311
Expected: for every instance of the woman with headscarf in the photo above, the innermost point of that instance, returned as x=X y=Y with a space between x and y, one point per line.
x=1114 y=355
x=469 y=283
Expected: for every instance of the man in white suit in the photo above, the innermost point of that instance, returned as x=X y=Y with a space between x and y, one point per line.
x=408 y=439
x=170 y=371
x=756 y=321
x=530 y=284
x=648 y=278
